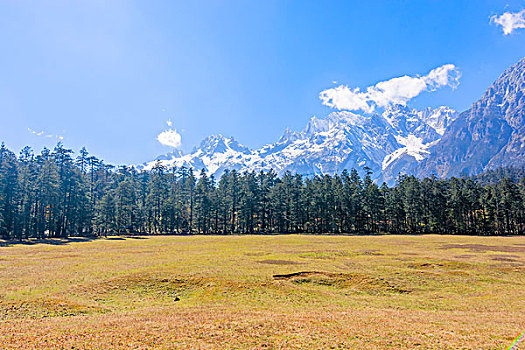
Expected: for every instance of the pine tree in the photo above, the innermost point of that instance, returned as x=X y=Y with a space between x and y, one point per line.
x=9 y=194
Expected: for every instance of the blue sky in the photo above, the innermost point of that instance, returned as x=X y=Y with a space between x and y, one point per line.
x=109 y=74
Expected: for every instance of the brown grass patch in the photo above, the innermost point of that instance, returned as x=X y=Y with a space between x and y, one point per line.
x=481 y=248
x=508 y=259
x=336 y=298
x=224 y=328
x=501 y=257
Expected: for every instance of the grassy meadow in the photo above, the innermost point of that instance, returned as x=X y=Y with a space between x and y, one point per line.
x=264 y=292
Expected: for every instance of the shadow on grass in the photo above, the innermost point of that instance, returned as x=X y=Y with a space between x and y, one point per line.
x=50 y=241
x=123 y=237
x=65 y=241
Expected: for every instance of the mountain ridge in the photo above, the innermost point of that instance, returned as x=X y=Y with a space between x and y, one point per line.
x=341 y=140
x=488 y=135
x=398 y=140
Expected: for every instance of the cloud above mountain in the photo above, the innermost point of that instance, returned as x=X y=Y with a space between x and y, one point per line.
x=510 y=21
x=393 y=91
x=170 y=137
x=44 y=134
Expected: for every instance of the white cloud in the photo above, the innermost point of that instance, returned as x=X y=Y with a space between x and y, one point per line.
x=45 y=134
x=37 y=133
x=510 y=21
x=170 y=138
x=394 y=91
x=169 y=123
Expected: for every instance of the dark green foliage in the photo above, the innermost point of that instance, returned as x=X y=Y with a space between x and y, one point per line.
x=54 y=195
x=495 y=176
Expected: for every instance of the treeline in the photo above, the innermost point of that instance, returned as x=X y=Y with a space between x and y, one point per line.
x=54 y=194
x=492 y=177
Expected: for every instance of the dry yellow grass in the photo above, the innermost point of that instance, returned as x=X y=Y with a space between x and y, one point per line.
x=287 y=292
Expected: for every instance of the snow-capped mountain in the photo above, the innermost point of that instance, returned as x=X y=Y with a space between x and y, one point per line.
x=489 y=135
x=415 y=131
x=439 y=118
x=399 y=140
x=215 y=154
x=343 y=140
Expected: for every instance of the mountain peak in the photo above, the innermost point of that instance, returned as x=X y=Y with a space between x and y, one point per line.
x=490 y=134
x=346 y=117
x=220 y=144
x=505 y=96
x=288 y=136
x=173 y=154
x=438 y=118
x=399 y=140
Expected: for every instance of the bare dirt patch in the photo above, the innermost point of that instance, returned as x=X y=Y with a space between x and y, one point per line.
x=512 y=259
x=504 y=259
x=358 y=282
x=508 y=257
x=481 y=248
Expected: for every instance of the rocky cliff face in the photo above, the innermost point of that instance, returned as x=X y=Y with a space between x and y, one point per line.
x=490 y=134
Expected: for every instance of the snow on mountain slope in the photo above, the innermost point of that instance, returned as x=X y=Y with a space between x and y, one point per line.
x=384 y=143
x=489 y=135
x=439 y=118
x=215 y=154
x=400 y=140
x=413 y=146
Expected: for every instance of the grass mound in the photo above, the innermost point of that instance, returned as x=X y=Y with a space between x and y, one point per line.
x=138 y=287
x=41 y=308
x=358 y=282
